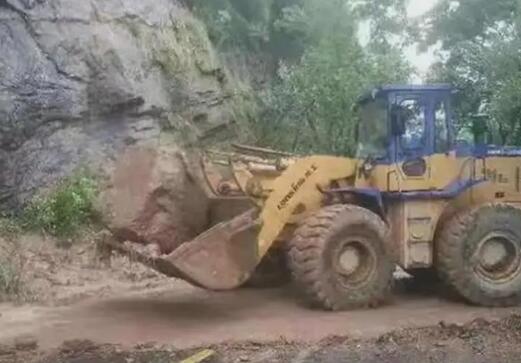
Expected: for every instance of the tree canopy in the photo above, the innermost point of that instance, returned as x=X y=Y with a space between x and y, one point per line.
x=480 y=53
x=322 y=65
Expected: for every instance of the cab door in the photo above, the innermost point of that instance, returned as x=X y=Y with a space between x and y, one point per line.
x=446 y=168
x=424 y=158
x=413 y=145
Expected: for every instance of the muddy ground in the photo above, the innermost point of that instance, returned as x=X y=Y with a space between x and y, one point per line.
x=478 y=341
x=58 y=273
x=79 y=310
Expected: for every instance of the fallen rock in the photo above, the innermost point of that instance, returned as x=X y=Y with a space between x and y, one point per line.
x=153 y=198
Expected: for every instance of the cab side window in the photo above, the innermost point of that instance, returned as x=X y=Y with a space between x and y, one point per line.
x=441 y=141
x=413 y=114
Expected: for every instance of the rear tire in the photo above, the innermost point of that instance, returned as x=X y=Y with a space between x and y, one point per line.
x=337 y=258
x=479 y=255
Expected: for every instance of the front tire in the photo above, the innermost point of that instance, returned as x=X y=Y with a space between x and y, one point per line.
x=479 y=255
x=337 y=257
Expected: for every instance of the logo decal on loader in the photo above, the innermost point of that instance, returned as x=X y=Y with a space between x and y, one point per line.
x=295 y=187
x=495 y=177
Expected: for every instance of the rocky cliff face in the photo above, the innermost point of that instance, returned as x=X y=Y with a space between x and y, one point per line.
x=82 y=80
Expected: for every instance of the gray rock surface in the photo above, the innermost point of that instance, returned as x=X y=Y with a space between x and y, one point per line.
x=80 y=80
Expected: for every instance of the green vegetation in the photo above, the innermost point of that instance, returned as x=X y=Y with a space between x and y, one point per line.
x=479 y=42
x=236 y=23
x=284 y=29
x=310 y=107
x=10 y=228
x=11 y=262
x=65 y=209
x=320 y=65
x=62 y=212
x=11 y=267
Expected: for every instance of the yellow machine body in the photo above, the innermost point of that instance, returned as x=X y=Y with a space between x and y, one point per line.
x=414 y=221
x=413 y=190
x=413 y=207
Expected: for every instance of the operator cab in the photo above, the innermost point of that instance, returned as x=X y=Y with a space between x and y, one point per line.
x=404 y=122
x=406 y=127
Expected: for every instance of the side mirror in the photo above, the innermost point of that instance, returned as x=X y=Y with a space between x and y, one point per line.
x=397 y=121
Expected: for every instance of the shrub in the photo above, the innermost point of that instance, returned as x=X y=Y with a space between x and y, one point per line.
x=10 y=281
x=11 y=260
x=10 y=228
x=64 y=210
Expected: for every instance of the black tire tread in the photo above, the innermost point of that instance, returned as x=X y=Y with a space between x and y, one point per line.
x=448 y=248
x=305 y=251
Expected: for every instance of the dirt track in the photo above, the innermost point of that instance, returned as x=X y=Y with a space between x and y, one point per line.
x=81 y=307
x=189 y=317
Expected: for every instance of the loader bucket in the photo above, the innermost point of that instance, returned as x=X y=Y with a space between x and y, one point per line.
x=221 y=258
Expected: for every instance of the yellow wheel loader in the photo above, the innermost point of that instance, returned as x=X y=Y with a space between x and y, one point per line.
x=414 y=197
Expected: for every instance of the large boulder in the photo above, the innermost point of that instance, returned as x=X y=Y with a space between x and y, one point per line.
x=80 y=81
x=154 y=197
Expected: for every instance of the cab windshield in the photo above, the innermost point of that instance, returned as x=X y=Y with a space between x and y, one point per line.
x=372 y=129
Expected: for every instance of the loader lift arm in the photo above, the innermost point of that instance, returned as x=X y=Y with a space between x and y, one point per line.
x=225 y=256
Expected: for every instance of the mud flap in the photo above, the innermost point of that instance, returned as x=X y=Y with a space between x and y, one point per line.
x=223 y=257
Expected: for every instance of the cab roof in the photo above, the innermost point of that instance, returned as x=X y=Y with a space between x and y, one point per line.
x=416 y=87
x=441 y=87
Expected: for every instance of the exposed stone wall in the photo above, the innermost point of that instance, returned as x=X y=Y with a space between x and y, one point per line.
x=82 y=80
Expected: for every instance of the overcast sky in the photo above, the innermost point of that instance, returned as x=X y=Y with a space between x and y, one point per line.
x=424 y=60
x=421 y=61
x=418 y=7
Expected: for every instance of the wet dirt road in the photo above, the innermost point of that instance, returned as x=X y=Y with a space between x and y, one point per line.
x=187 y=317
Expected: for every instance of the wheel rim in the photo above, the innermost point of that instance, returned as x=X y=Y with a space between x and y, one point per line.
x=354 y=262
x=498 y=258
